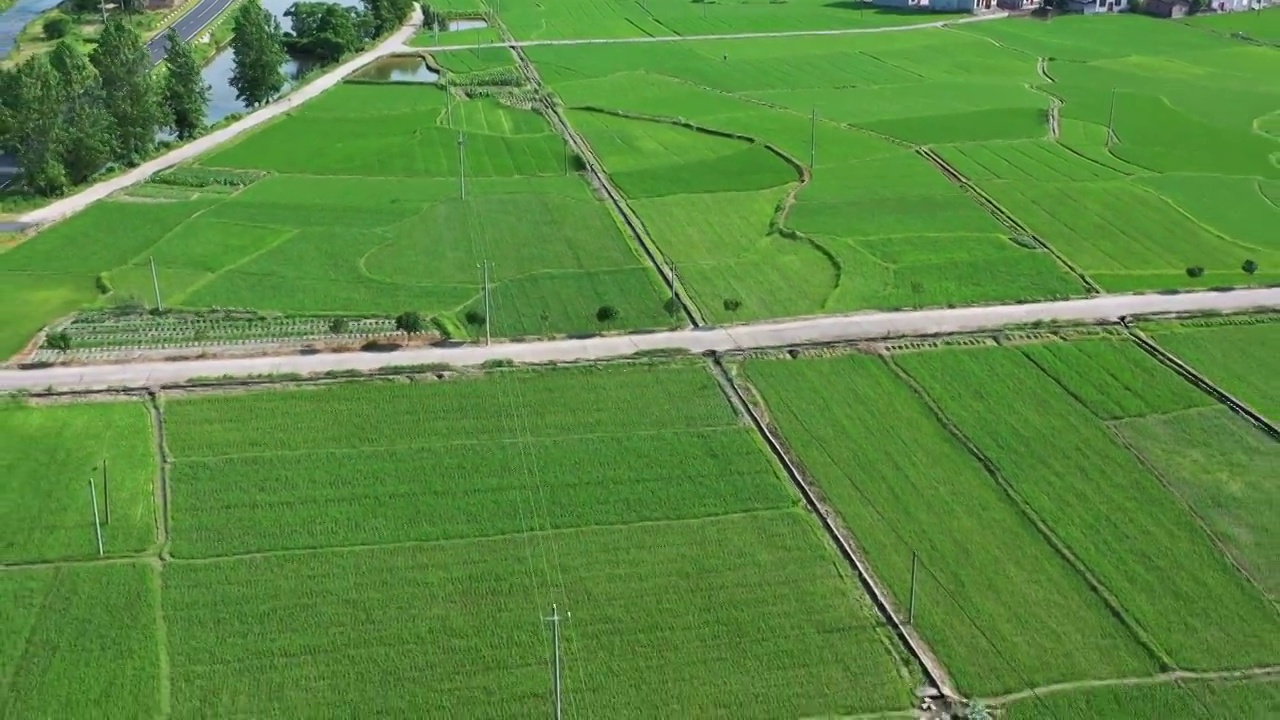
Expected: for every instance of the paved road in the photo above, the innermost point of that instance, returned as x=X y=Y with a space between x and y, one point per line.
x=191 y=24
x=836 y=328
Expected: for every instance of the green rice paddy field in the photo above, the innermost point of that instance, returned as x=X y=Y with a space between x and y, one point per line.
x=408 y=539
x=1104 y=518
x=1125 y=154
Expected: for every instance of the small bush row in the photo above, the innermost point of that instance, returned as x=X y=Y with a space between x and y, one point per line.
x=198 y=177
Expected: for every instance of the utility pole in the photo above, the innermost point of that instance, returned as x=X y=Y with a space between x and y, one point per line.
x=462 y=166
x=106 y=495
x=488 y=337
x=97 y=526
x=911 y=608
x=103 y=5
x=673 y=286
x=1111 y=116
x=813 y=136
x=555 y=634
x=155 y=284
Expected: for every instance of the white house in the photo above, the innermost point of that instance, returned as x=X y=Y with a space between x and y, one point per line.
x=1097 y=6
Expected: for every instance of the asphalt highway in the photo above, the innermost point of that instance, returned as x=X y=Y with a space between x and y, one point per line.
x=191 y=24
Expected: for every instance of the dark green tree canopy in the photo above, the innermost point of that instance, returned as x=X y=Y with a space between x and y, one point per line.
x=325 y=31
x=186 y=95
x=132 y=94
x=258 y=49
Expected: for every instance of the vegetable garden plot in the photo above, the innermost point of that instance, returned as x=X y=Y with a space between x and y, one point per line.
x=886 y=465
x=50 y=453
x=1126 y=529
x=80 y=641
x=738 y=616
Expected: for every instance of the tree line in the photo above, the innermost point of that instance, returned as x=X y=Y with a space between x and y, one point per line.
x=68 y=115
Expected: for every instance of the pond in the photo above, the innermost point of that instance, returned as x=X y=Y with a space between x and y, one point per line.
x=468 y=24
x=398 y=68
x=17 y=17
x=222 y=97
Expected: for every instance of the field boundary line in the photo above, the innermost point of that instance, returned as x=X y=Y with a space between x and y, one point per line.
x=1109 y=600
x=162 y=639
x=617 y=201
x=511 y=536
x=165 y=460
x=934 y=671
x=1259 y=674
x=1190 y=508
x=1004 y=217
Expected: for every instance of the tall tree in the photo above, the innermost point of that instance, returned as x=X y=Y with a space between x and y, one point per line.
x=387 y=15
x=132 y=94
x=37 y=135
x=186 y=94
x=8 y=108
x=258 y=49
x=87 y=128
x=322 y=30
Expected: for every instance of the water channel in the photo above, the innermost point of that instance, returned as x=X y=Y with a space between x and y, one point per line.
x=17 y=17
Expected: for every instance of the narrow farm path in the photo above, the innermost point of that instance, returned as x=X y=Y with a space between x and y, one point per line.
x=1268 y=672
x=396 y=43
x=764 y=334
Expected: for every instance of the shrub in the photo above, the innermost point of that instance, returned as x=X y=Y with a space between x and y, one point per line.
x=339 y=326
x=672 y=306
x=60 y=340
x=474 y=318
x=103 y=285
x=409 y=322
x=607 y=313
x=56 y=26
x=732 y=304
x=1195 y=271
x=1250 y=267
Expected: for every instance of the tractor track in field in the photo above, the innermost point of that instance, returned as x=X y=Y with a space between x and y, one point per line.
x=1255 y=673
